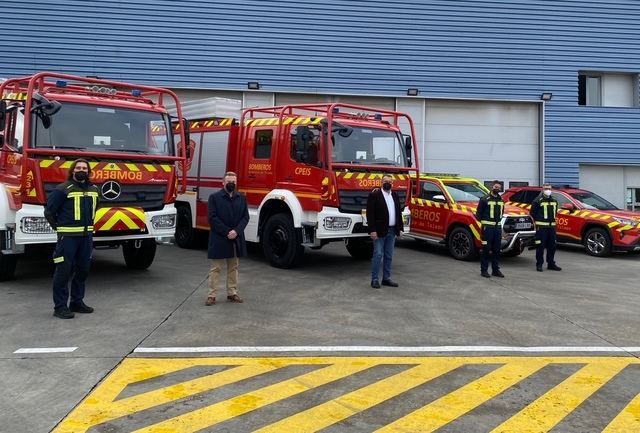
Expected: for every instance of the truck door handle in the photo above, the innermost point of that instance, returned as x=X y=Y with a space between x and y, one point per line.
x=251 y=176
x=289 y=178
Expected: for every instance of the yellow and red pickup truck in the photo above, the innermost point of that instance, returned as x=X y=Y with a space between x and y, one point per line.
x=443 y=212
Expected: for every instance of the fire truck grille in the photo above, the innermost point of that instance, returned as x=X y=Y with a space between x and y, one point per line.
x=354 y=201
x=145 y=196
x=518 y=223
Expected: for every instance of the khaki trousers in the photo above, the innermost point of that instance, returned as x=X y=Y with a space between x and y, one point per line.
x=232 y=276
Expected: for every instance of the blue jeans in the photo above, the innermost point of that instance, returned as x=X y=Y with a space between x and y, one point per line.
x=383 y=247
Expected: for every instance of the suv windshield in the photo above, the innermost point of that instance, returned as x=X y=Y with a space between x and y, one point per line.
x=102 y=128
x=356 y=145
x=593 y=201
x=465 y=191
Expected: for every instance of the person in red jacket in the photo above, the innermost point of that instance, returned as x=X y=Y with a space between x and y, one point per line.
x=384 y=217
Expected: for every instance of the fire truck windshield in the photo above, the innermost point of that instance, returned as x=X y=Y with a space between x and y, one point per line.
x=104 y=129
x=357 y=145
x=465 y=191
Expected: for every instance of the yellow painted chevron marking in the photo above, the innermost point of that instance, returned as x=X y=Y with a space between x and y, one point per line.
x=132 y=167
x=325 y=181
x=563 y=211
x=428 y=202
x=225 y=410
x=413 y=200
x=547 y=411
x=333 y=411
x=445 y=205
x=150 y=167
x=348 y=175
x=112 y=166
x=137 y=212
x=166 y=167
x=115 y=218
x=628 y=420
x=585 y=214
x=605 y=217
x=288 y=120
x=46 y=163
x=463 y=207
x=360 y=176
x=66 y=164
x=437 y=204
x=401 y=176
x=612 y=224
x=444 y=410
x=622 y=229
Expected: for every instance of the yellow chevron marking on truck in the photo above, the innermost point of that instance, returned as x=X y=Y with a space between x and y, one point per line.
x=148 y=384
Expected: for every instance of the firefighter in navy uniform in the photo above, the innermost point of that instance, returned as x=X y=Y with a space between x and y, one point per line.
x=489 y=213
x=70 y=210
x=543 y=211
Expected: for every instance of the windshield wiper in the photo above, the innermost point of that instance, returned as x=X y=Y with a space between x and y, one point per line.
x=61 y=147
x=128 y=150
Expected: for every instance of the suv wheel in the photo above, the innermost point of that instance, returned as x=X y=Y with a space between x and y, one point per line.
x=597 y=242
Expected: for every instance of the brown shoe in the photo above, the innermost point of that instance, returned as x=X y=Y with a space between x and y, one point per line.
x=235 y=298
x=210 y=301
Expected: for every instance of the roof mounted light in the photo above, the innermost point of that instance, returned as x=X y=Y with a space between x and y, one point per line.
x=335 y=110
x=377 y=116
x=136 y=93
x=61 y=83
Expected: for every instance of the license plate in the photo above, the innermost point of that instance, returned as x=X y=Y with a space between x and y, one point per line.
x=521 y=226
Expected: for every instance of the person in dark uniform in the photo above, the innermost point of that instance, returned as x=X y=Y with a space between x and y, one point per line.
x=489 y=213
x=70 y=210
x=543 y=211
x=384 y=218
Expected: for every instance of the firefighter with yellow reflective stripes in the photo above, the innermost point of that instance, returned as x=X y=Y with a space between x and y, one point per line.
x=543 y=211
x=70 y=210
x=489 y=213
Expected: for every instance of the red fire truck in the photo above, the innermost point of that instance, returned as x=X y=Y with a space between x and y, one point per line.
x=306 y=171
x=47 y=120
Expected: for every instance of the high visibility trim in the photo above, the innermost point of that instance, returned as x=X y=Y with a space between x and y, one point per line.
x=475 y=232
x=538 y=241
x=490 y=223
x=58 y=259
x=74 y=229
x=545 y=224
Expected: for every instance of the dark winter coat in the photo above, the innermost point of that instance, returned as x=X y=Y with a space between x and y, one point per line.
x=378 y=214
x=227 y=213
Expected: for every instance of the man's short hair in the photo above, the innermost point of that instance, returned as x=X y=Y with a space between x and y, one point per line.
x=546 y=184
x=230 y=173
x=387 y=175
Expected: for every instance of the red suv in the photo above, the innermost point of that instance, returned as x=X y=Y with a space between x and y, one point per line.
x=586 y=218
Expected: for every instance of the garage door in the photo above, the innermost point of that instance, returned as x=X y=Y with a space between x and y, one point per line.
x=485 y=140
x=620 y=184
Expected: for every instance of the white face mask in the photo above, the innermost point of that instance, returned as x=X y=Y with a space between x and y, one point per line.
x=547 y=192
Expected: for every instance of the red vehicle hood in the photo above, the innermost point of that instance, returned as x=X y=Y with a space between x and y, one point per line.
x=620 y=213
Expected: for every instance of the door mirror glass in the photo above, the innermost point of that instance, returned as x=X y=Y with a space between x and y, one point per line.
x=568 y=206
x=3 y=115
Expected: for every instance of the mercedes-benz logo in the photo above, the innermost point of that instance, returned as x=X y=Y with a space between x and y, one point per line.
x=111 y=190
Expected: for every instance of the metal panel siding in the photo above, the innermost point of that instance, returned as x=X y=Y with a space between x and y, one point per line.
x=476 y=49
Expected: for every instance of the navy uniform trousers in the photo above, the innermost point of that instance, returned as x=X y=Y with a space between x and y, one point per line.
x=545 y=238
x=492 y=237
x=71 y=256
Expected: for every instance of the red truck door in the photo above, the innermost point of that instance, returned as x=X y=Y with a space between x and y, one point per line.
x=256 y=155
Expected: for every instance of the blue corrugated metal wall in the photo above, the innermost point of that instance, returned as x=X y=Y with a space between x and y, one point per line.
x=479 y=49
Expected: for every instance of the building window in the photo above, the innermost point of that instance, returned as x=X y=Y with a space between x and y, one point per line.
x=264 y=140
x=608 y=89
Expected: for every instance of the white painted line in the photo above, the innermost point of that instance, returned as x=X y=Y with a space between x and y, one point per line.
x=417 y=349
x=45 y=350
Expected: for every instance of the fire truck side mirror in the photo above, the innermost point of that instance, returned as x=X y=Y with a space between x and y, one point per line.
x=408 y=147
x=187 y=138
x=3 y=115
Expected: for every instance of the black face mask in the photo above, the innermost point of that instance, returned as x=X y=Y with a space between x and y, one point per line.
x=230 y=187
x=496 y=191
x=386 y=186
x=81 y=176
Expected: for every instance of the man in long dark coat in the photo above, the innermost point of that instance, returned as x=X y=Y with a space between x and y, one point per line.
x=228 y=217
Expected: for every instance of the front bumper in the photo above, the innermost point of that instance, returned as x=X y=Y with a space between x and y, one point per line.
x=330 y=224
x=24 y=237
x=514 y=239
x=627 y=240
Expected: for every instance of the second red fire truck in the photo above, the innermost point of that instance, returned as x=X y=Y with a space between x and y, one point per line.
x=306 y=170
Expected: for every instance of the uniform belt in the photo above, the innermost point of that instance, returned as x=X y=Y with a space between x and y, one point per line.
x=491 y=223
x=546 y=224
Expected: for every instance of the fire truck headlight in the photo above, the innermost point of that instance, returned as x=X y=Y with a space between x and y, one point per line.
x=337 y=223
x=163 y=221
x=35 y=226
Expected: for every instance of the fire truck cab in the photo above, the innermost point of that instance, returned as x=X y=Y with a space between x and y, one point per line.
x=306 y=171
x=48 y=120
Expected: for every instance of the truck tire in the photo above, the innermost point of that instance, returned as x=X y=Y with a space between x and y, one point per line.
x=139 y=258
x=461 y=244
x=7 y=266
x=359 y=248
x=281 y=242
x=186 y=235
x=597 y=242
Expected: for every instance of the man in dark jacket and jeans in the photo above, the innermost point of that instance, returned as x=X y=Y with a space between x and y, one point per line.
x=384 y=218
x=228 y=217
x=71 y=208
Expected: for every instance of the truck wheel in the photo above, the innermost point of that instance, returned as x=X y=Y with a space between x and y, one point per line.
x=461 y=245
x=597 y=242
x=7 y=266
x=139 y=254
x=281 y=242
x=186 y=235
x=359 y=248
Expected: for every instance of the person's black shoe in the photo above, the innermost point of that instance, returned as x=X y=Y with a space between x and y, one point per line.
x=375 y=284
x=554 y=267
x=539 y=268
x=497 y=274
x=485 y=274
x=389 y=283
x=63 y=313
x=80 y=307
